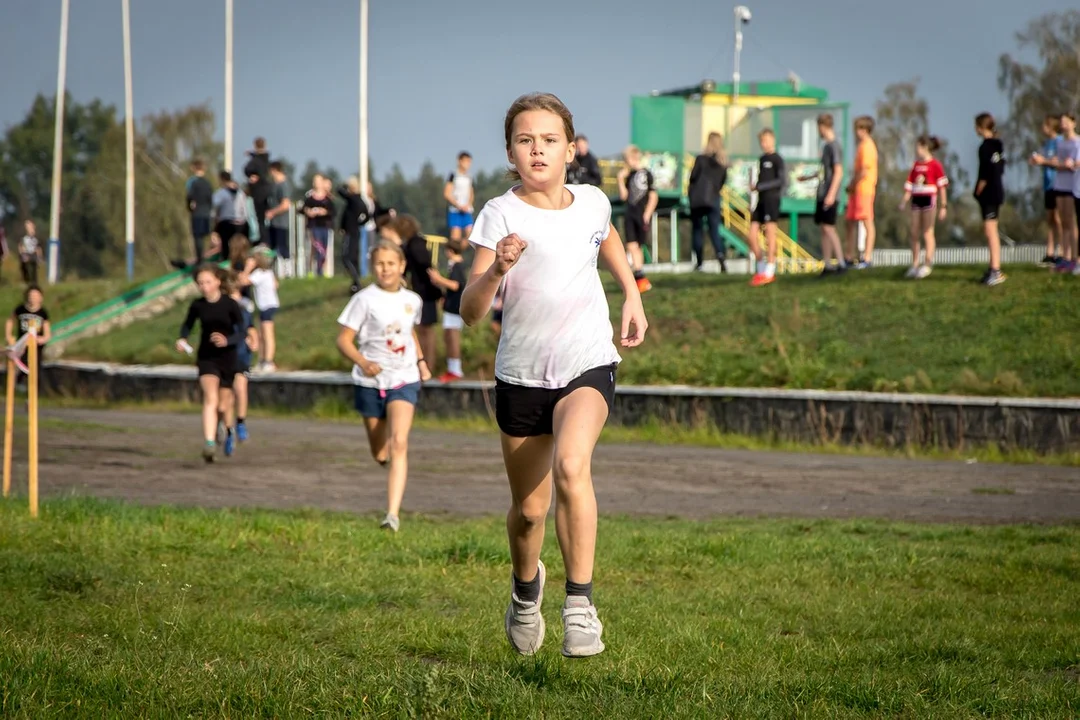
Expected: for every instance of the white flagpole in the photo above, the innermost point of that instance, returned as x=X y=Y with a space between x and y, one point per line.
x=58 y=149
x=228 y=84
x=129 y=127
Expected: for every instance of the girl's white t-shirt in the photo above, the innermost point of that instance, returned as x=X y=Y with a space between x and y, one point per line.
x=384 y=322
x=266 y=295
x=556 y=323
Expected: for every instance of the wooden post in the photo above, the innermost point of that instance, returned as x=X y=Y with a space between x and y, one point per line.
x=32 y=417
x=9 y=424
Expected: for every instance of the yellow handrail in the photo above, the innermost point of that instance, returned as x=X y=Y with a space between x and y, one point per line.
x=790 y=256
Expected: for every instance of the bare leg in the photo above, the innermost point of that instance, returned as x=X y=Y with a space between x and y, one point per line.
x=770 y=241
x=227 y=407
x=240 y=388
x=210 y=385
x=1053 y=233
x=399 y=417
x=930 y=237
x=755 y=243
x=452 y=338
x=1066 y=211
x=579 y=418
x=871 y=235
x=830 y=238
x=916 y=236
x=528 y=468
x=269 y=341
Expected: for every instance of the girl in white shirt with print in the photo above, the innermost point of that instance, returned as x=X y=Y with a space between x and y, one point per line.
x=555 y=366
x=378 y=334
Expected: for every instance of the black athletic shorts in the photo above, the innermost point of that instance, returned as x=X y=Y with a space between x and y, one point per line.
x=226 y=231
x=767 y=209
x=1050 y=199
x=429 y=312
x=636 y=229
x=528 y=412
x=824 y=215
x=989 y=210
x=922 y=202
x=223 y=367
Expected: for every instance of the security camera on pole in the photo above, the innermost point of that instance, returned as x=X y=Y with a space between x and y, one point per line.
x=742 y=17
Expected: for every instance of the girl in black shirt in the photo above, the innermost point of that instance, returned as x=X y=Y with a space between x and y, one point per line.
x=706 y=180
x=990 y=191
x=220 y=327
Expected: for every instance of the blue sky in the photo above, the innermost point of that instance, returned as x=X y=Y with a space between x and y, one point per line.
x=443 y=73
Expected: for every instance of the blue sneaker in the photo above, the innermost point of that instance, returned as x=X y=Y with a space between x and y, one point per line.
x=241 y=432
x=230 y=444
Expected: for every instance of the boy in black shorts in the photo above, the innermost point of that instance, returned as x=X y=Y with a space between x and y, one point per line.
x=636 y=190
x=772 y=177
x=829 y=178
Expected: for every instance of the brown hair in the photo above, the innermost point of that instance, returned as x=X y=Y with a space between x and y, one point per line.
x=865 y=122
x=383 y=221
x=766 y=131
x=230 y=281
x=260 y=143
x=930 y=142
x=537 y=101
x=825 y=120
x=1054 y=121
x=386 y=245
x=714 y=147
x=406 y=226
x=198 y=164
x=985 y=121
x=239 y=247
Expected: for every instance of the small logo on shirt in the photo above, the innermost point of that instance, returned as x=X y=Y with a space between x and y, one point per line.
x=598 y=237
x=408 y=309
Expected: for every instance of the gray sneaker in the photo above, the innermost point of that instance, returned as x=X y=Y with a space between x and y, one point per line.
x=524 y=623
x=581 y=628
x=390 y=522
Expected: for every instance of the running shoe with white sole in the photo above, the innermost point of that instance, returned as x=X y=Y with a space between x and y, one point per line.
x=912 y=272
x=524 y=623
x=994 y=277
x=581 y=628
x=923 y=272
x=391 y=523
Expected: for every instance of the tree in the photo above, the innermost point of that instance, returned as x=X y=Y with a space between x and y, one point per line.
x=902 y=116
x=1035 y=90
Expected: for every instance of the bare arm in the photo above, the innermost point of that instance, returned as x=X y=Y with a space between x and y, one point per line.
x=613 y=255
x=650 y=206
x=9 y=327
x=346 y=345
x=834 y=186
x=480 y=290
x=448 y=194
x=623 y=191
x=46 y=333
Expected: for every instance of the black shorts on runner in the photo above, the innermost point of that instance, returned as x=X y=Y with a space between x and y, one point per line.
x=989 y=210
x=223 y=367
x=825 y=215
x=922 y=202
x=636 y=229
x=528 y=412
x=767 y=209
x=429 y=312
x=1050 y=199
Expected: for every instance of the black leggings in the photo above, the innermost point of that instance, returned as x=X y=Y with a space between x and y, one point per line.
x=350 y=256
x=711 y=215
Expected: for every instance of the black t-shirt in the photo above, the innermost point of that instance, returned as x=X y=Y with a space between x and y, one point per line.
x=320 y=221
x=452 y=304
x=355 y=213
x=585 y=170
x=771 y=176
x=417 y=262
x=639 y=183
x=831 y=156
x=223 y=316
x=28 y=320
x=706 y=180
x=201 y=196
x=992 y=171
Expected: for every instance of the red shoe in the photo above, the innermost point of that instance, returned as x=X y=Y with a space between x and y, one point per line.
x=761 y=279
x=643 y=285
x=449 y=377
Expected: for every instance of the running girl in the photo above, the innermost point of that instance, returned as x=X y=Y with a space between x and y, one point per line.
x=378 y=334
x=925 y=183
x=245 y=348
x=219 y=319
x=990 y=192
x=1065 y=164
x=259 y=275
x=555 y=365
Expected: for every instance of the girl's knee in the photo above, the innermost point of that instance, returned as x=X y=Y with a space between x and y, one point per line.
x=531 y=513
x=571 y=470
x=399 y=443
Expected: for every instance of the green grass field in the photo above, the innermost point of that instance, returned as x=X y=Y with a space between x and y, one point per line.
x=112 y=610
x=867 y=331
x=66 y=298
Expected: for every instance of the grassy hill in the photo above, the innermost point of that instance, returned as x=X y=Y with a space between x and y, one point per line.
x=869 y=330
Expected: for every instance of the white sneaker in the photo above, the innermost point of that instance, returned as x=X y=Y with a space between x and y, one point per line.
x=524 y=623
x=581 y=628
x=923 y=272
x=912 y=272
x=391 y=523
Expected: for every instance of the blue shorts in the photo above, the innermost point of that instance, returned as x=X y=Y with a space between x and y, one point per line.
x=371 y=402
x=268 y=314
x=458 y=219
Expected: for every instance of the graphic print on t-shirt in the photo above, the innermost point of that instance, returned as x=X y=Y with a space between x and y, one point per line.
x=638 y=185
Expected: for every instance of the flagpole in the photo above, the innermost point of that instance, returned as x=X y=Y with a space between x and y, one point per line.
x=58 y=149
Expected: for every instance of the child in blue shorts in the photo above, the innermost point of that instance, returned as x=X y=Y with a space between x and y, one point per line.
x=378 y=335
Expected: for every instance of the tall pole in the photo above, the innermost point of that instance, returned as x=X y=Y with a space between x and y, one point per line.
x=228 y=84
x=363 y=97
x=58 y=149
x=736 y=76
x=129 y=127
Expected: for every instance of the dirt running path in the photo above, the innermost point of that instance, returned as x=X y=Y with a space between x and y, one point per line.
x=153 y=459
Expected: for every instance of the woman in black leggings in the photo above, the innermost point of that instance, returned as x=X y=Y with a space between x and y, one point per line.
x=706 y=180
x=355 y=215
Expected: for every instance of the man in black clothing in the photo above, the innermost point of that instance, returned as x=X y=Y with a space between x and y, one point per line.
x=199 y=204
x=771 y=180
x=260 y=184
x=354 y=216
x=585 y=170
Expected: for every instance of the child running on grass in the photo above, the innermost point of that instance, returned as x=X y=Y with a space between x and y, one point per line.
x=555 y=365
x=990 y=192
x=925 y=183
x=452 y=323
x=244 y=350
x=259 y=275
x=219 y=319
x=378 y=335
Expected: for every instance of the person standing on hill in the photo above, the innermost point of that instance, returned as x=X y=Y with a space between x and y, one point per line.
x=260 y=184
x=585 y=169
x=990 y=191
x=862 y=191
x=706 y=180
x=828 y=191
x=636 y=189
x=460 y=195
x=200 y=204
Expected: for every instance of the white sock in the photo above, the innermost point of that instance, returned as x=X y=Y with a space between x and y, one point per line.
x=770 y=269
x=454 y=366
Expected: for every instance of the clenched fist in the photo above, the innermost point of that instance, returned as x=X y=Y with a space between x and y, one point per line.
x=507 y=252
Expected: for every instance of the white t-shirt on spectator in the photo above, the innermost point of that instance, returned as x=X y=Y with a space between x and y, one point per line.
x=384 y=322
x=556 y=323
x=266 y=294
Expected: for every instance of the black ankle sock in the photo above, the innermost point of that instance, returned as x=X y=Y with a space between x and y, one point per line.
x=584 y=589
x=639 y=274
x=239 y=421
x=528 y=591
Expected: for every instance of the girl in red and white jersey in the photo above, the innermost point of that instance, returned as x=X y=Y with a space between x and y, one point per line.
x=926 y=184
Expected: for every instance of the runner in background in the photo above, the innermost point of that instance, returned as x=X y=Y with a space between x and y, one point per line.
x=378 y=335
x=248 y=344
x=405 y=231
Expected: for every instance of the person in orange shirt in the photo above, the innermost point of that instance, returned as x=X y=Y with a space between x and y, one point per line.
x=861 y=192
